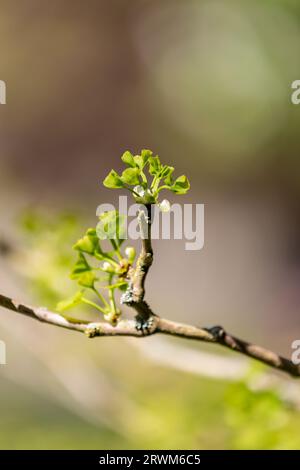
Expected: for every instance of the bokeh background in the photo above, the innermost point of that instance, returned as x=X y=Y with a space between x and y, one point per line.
x=207 y=86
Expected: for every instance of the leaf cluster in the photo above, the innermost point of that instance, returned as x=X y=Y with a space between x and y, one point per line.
x=145 y=176
x=98 y=271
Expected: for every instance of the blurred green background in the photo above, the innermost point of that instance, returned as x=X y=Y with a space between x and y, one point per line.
x=207 y=86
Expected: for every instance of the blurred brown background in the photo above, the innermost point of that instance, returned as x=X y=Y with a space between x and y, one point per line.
x=206 y=85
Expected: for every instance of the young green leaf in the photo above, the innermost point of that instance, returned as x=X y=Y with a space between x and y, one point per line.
x=87 y=279
x=141 y=160
x=166 y=171
x=131 y=176
x=181 y=185
x=69 y=303
x=80 y=267
x=113 y=181
x=154 y=165
x=168 y=179
x=127 y=158
x=146 y=154
x=89 y=243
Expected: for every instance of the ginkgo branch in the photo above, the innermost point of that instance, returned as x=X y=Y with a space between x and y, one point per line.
x=160 y=325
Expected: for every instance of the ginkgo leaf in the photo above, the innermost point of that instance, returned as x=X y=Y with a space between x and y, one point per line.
x=89 y=243
x=113 y=180
x=71 y=302
x=154 y=165
x=87 y=279
x=80 y=267
x=131 y=176
x=127 y=158
x=181 y=185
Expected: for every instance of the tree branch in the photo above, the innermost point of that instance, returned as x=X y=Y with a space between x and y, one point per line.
x=145 y=258
x=215 y=335
x=134 y=296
